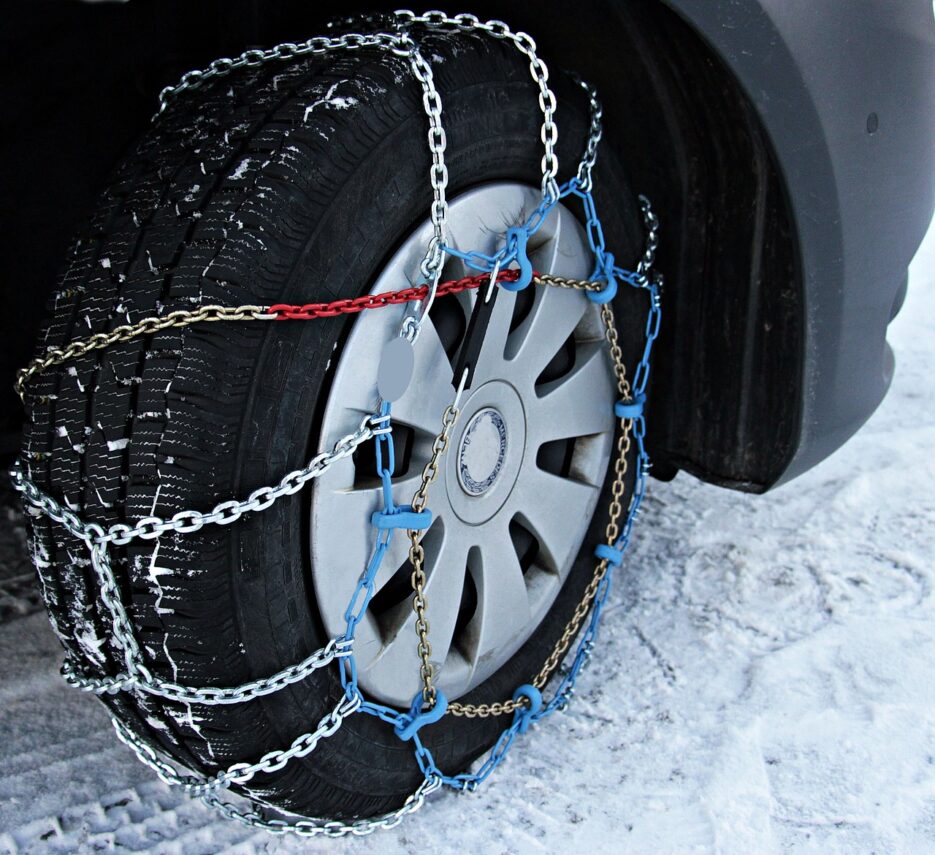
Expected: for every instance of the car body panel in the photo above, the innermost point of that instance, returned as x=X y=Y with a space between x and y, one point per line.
x=845 y=93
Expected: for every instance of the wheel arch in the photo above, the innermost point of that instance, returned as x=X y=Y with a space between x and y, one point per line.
x=791 y=164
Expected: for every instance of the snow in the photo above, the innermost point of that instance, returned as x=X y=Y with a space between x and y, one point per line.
x=242 y=168
x=89 y=642
x=331 y=100
x=764 y=683
x=71 y=371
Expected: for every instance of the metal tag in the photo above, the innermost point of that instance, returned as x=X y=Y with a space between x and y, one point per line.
x=397 y=363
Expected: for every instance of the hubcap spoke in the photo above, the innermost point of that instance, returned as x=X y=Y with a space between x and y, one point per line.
x=490 y=363
x=348 y=511
x=503 y=611
x=443 y=590
x=431 y=389
x=579 y=404
x=554 y=316
x=554 y=509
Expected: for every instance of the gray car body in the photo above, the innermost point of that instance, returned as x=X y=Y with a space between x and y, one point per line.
x=846 y=93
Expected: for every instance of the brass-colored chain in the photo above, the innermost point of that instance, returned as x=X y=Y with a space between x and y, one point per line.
x=611 y=533
x=182 y=318
x=147 y=326
x=616 y=354
x=567 y=282
x=417 y=554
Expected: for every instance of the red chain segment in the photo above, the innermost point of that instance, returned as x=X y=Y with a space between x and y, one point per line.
x=310 y=311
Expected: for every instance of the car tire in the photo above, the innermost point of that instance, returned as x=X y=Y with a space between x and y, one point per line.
x=290 y=183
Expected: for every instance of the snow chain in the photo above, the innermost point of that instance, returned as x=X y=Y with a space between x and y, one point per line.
x=527 y=706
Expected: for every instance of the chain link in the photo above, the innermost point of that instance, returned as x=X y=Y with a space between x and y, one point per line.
x=431 y=265
x=526 y=45
x=147 y=326
x=240 y=773
x=208 y=788
x=183 y=318
x=586 y=167
x=208 y=695
x=567 y=282
x=319 y=46
x=417 y=554
x=651 y=221
x=328 y=828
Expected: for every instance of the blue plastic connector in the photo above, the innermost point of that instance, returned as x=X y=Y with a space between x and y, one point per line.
x=631 y=408
x=523 y=716
x=516 y=239
x=402 y=516
x=409 y=725
x=605 y=271
x=612 y=554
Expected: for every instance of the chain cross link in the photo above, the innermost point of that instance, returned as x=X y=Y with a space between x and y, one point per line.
x=539 y=71
x=137 y=675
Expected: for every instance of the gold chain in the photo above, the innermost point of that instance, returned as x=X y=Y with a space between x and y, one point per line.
x=147 y=326
x=417 y=554
x=156 y=323
x=612 y=532
x=567 y=282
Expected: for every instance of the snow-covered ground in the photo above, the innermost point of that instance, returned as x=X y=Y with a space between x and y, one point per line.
x=766 y=682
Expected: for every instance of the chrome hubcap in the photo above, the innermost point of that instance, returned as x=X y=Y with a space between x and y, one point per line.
x=521 y=476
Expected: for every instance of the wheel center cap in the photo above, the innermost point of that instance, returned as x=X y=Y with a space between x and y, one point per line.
x=482 y=452
x=487 y=452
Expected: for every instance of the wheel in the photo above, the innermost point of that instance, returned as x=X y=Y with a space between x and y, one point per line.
x=301 y=182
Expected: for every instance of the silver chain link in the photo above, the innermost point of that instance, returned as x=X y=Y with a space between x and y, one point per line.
x=208 y=788
x=137 y=675
x=433 y=261
x=526 y=45
x=240 y=773
x=319 y=45
x=645 y=265
x=329 y=828
x=187 y=522
x=208 y=695
x=595 y=132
